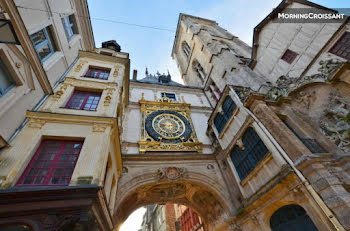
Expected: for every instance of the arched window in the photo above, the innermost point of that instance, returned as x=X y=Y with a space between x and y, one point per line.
x=248 y=155
x=186 y=48
x=291 y=217
x=227 y=110
x=199 y=70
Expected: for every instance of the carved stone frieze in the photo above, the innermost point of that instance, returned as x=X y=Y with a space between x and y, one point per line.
x=285 y=84
x=170 y=173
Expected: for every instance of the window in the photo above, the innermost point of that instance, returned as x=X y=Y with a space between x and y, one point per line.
x=227 y=110
x=84 y=100
x=186 y=48
x=52 y=164
x=199 y=70
x=291 y=217
x=168 y=95
x=97 y=73
x=289 y=56
x=311 y=144
x=69 y=26
x=6 y=81
x=342 y=46
x=247 y=157
x=43 y=43
x=215 y=92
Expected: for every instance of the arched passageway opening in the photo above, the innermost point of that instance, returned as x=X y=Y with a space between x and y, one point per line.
x=291 y=217
x=200 y=198
x=168 y=216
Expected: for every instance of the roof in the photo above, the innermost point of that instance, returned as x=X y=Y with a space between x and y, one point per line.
x=270 y=17
x=161 y=79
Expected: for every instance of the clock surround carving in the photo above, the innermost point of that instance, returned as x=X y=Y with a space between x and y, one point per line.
x=167 y=126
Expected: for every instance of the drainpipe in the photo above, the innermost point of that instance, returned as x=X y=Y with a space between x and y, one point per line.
x=337 y=225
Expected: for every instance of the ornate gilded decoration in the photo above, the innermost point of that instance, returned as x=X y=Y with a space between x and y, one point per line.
x=80 y=65
x=116 y=70
x=108 y=97
x=167 y=126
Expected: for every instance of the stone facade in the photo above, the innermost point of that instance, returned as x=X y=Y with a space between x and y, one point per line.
x=247 y=141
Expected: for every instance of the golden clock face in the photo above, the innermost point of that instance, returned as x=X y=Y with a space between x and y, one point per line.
x=168 y=126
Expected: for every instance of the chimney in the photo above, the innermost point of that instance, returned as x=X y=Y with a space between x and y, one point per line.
x=134 y=75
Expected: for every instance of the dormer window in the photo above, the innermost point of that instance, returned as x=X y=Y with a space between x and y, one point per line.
x=168 y=95
x=186 y=48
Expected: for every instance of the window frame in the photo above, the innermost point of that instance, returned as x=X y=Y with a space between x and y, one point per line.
x=9 y=78
x=186 y=49
x=69 y=25
x=246 y=155
x=54 y=164
x=338 y=42
x=289 y=56
x=162 y=94
x=222 y=118
x=48 y=41
x=99 y=71
x=86 y=97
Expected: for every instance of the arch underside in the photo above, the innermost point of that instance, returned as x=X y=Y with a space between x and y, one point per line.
x=195 y=195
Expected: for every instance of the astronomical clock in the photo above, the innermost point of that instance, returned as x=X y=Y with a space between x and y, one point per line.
x=167 y=126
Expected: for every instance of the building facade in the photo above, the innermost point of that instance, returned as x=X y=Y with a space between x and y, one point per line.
x=256 y=139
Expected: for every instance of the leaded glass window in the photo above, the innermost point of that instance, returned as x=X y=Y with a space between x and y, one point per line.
x=84 y=100
x=97 y=73
x=52 y=164
x=245 y=159
x=228 y=108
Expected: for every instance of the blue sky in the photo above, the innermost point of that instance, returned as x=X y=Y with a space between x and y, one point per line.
x=152 y=48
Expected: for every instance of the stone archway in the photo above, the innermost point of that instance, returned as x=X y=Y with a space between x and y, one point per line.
x=203 y=191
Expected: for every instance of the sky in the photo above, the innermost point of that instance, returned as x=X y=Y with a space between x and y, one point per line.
x=152 y=47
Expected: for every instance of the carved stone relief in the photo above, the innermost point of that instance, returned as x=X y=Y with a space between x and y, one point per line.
x=335 y=121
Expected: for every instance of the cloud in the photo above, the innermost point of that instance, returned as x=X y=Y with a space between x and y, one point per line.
x=134 y=221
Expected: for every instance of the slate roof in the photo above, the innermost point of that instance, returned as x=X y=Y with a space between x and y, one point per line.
x=161 y=79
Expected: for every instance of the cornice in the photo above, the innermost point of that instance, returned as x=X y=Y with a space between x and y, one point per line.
x=164 y=157
x=105 y=58
x=70 y=118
